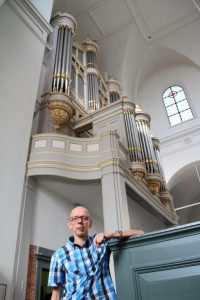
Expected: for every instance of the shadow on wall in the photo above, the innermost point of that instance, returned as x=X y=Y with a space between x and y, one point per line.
x=185 y=189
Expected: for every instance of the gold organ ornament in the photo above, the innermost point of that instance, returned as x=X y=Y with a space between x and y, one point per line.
x=154 y=182
x=61 y=112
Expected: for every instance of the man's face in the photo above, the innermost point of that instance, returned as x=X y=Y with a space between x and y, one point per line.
x=80 y=222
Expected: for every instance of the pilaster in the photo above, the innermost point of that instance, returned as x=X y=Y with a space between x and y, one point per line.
x=115 y=204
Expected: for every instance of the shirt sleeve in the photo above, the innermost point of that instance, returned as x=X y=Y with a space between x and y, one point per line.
x=56 y=274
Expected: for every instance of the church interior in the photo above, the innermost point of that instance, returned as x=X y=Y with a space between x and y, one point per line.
x=99 y=107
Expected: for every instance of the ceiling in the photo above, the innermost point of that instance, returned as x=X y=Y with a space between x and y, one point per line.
x=154 y=18
x=128 y=33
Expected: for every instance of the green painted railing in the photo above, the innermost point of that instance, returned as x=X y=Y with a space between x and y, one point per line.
x=162 y=265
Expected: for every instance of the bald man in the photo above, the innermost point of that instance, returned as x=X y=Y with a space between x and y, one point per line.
x=79 y=270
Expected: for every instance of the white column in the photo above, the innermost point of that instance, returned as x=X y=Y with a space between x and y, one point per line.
x=115 y=204
x=21 y=54
x=24 y=240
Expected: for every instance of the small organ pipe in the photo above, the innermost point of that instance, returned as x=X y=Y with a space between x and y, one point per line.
x=64 y=58
x=137 y=143
x=56 y=62
x=59 y=59
x=152 y=154
x=69 y=61
x=128 y=135
x=143 y=146
x=131 y=136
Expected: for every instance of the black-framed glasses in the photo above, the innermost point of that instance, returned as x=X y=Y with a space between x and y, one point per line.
x=75 y=219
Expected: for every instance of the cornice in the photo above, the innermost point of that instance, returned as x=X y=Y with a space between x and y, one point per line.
x=65 y=137
x=162 y=235
x=186 y=132
x=31 y=16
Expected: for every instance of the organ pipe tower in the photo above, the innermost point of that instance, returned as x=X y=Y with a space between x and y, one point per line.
x=77 y=98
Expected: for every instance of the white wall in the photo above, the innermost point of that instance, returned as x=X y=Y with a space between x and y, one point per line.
x=49 y=229
x=21 y=57
x=150 y=97
x=140 y=218
x=180 y=143
x=44 y=7
x=174 y=161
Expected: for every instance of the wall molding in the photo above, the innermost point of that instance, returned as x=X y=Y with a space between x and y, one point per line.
x=32 y=18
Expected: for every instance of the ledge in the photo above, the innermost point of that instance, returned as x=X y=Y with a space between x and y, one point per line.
x=171 y=233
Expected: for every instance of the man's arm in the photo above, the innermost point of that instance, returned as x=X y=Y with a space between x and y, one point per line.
x=55 y=293
x=102 y=237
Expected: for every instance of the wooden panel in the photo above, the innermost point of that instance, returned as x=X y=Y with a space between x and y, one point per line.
x=170 y=283
x=163 y=265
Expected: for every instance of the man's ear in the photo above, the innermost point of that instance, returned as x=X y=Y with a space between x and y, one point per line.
x=90 y=224
x=69 y=225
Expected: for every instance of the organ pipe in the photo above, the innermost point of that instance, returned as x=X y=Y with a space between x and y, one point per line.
x=113 y=87
x=147 y=145
x=56 y=62
x=137 y=166
x=156 y=146
x=92 y=50
x=152 y=177
x=63 y=57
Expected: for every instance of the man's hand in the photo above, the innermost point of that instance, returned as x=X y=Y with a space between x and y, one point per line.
x=102 y=237
x=55 y=293
x=99 y=239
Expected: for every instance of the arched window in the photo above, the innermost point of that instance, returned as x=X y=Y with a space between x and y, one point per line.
x=176 y=105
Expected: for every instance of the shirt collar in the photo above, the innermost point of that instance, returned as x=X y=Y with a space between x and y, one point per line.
x=86 y=244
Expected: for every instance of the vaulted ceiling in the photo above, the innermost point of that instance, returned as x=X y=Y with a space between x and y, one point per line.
x=154 y=18
x=129 y=34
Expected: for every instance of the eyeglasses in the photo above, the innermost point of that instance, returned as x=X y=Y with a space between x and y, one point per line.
x=75 y=219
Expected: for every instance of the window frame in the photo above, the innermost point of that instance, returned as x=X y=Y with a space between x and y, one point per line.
x=179 y=112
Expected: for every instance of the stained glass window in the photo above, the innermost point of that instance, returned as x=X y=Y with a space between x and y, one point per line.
x=176 y=105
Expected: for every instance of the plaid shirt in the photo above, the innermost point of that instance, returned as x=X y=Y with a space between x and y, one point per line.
x=83 y=272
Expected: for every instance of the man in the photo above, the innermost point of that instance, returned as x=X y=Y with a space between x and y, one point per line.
x=80 y=269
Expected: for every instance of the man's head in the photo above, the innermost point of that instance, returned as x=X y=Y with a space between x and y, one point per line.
x=80 y=222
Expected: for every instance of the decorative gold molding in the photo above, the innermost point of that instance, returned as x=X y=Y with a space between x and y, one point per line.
x=138 y=170
x=61 y=112
x=134 y=149
x=69 y=153
x=153 y=161
x=154 y=182
x=165 y=199
x=61 y=165
x=63 y=75
x=138 y=174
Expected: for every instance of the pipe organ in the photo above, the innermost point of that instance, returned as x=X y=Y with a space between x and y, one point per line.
x=75 y=89
x=113 y=88
x=147 y=151
x=134 y=144
x=93 y=99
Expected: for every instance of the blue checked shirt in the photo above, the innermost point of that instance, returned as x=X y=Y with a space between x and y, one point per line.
x=82 y=272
